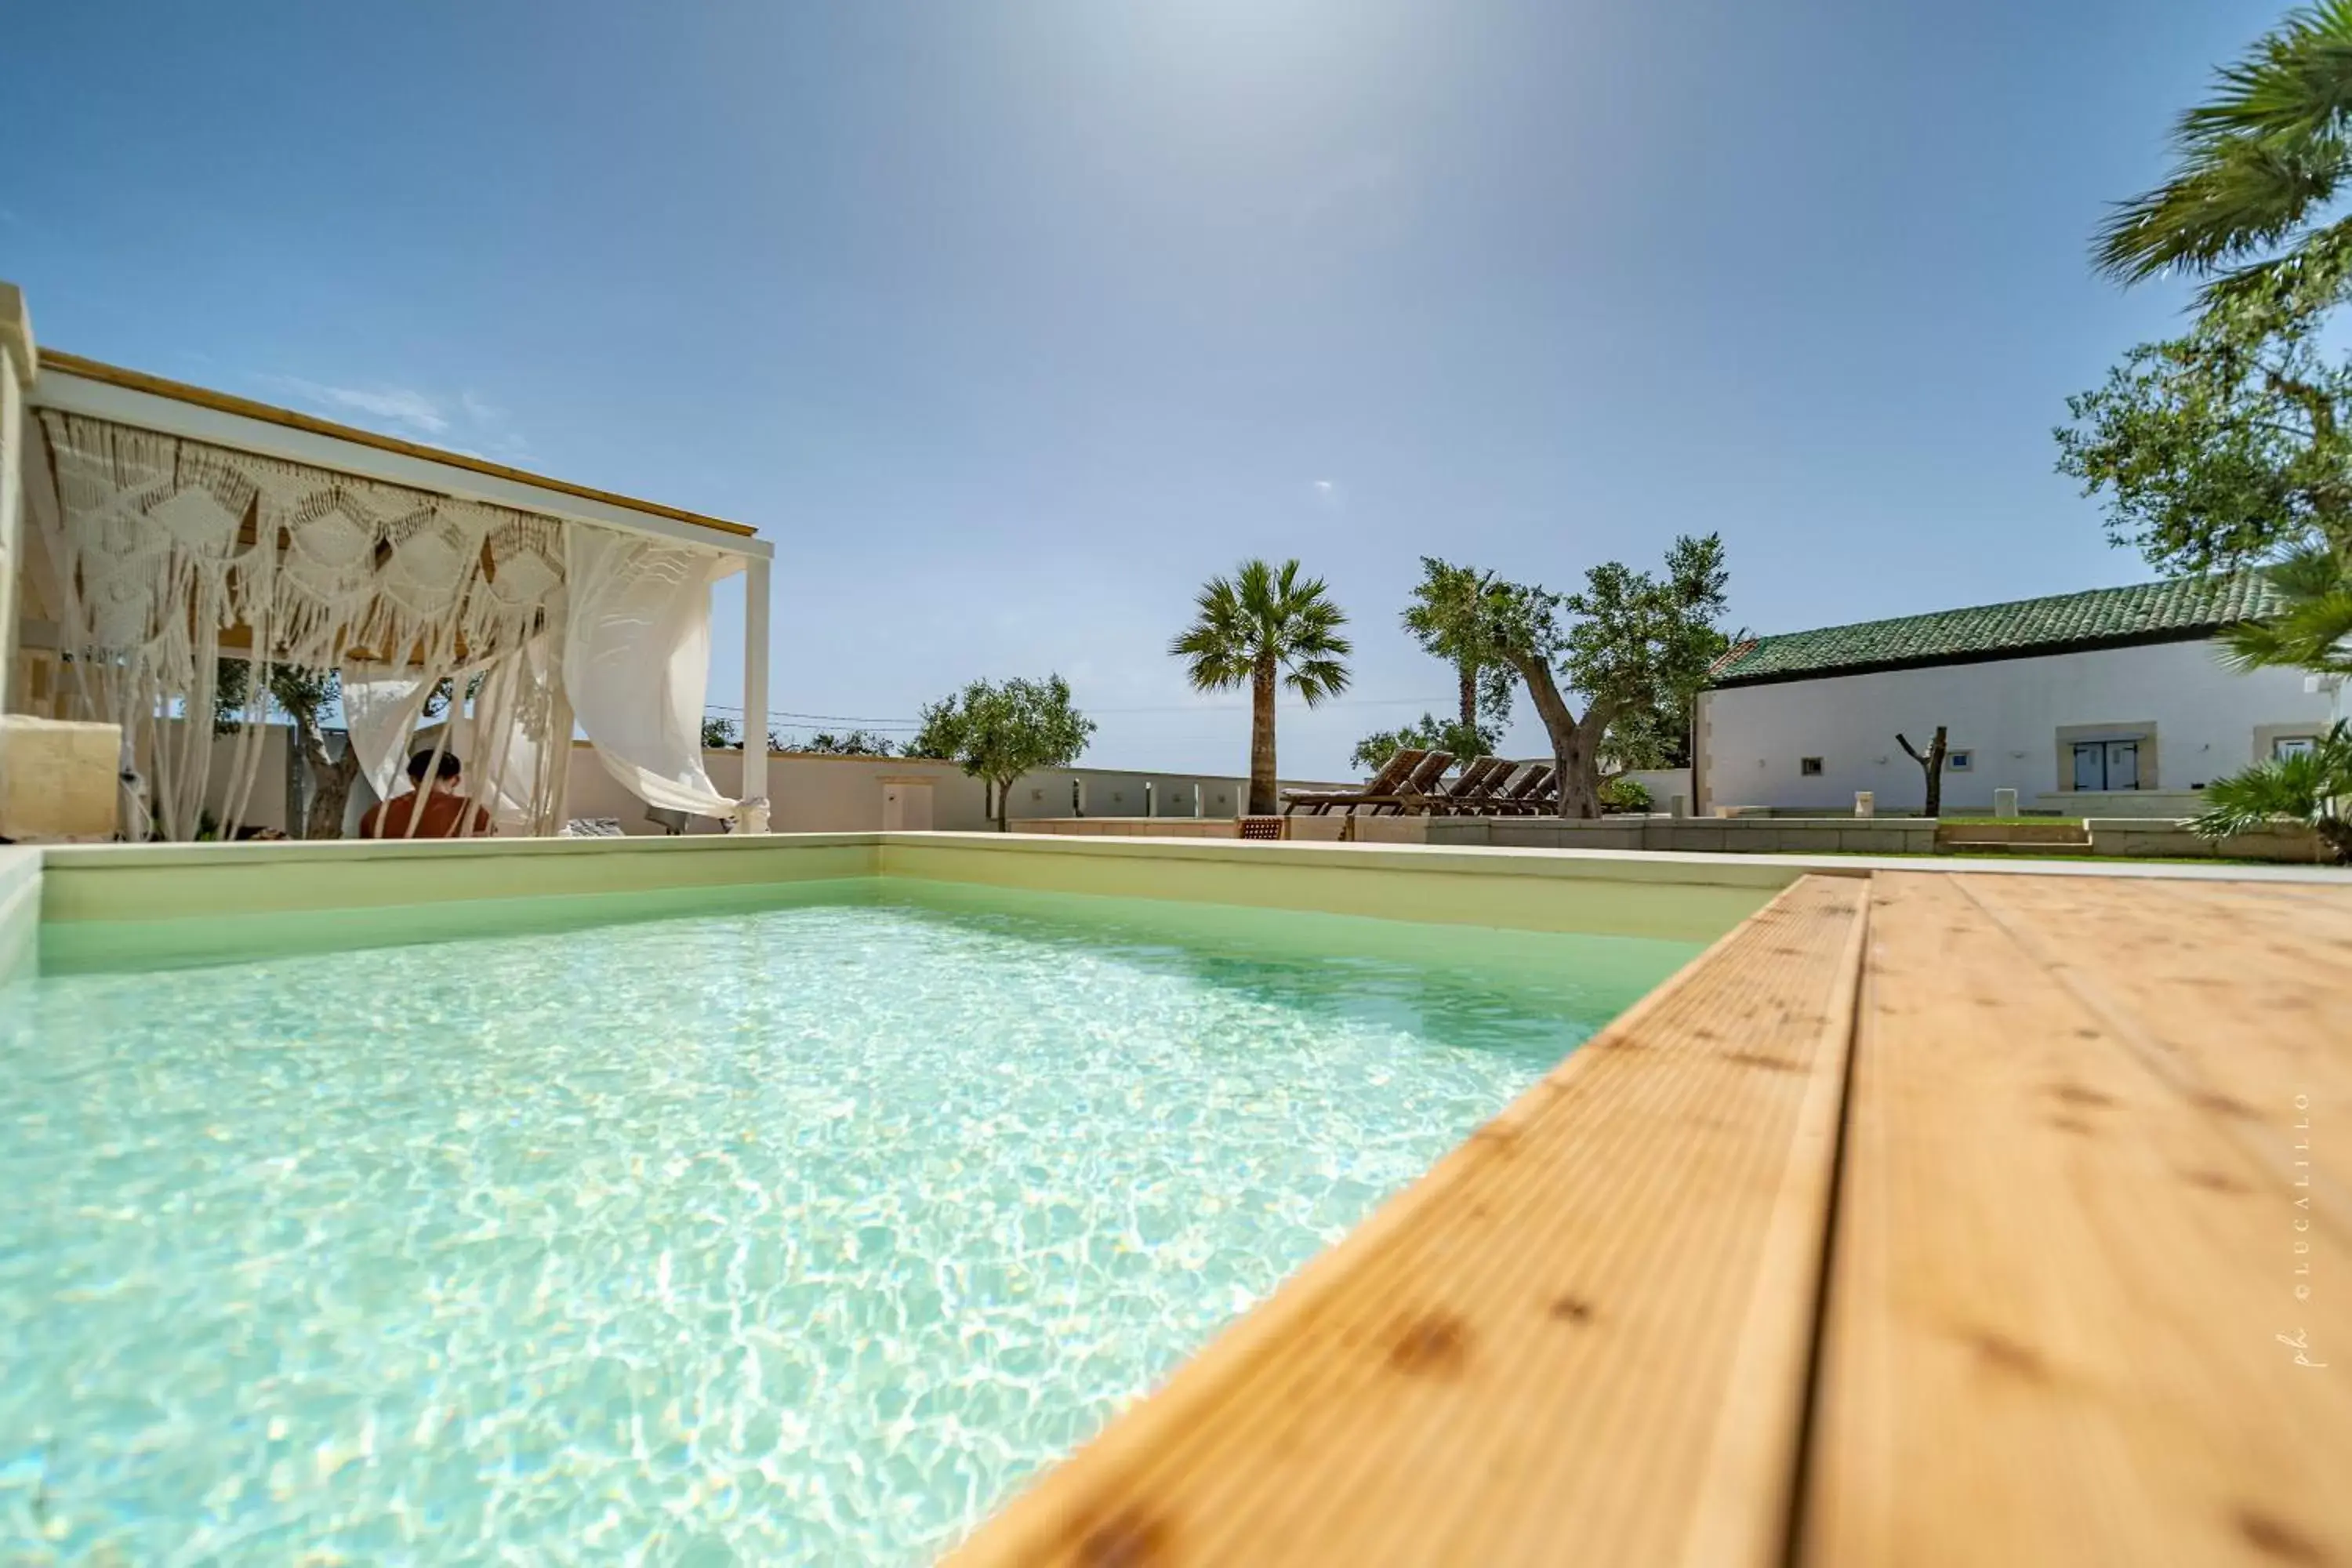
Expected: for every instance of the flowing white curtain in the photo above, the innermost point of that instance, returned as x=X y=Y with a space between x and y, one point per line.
x=637 y=662
x=383 y=706
x=510 y=734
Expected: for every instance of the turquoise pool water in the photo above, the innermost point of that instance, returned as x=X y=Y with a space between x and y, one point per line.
x=795 y=1235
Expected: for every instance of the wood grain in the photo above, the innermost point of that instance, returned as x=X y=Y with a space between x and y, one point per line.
x=2065 y=1246
x=2240 y=994
x=1583 y=1336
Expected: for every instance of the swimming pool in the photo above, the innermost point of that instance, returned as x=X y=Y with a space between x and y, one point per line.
x=792 y=1234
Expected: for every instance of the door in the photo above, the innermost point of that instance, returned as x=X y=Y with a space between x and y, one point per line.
x=2090 y=765
x=2123 y=764
x=906 y=805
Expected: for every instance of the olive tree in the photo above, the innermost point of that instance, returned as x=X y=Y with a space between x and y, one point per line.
x=1634 y=646
x=998 y=733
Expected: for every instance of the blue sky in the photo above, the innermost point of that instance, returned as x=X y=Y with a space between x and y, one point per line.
x=1010 y=323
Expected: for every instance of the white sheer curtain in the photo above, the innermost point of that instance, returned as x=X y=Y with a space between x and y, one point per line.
x=382 y=705
x=637 y=662
x=505 y=737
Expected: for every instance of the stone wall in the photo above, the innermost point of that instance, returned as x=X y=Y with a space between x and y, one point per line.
x=2293 y=844
x=1715 y=836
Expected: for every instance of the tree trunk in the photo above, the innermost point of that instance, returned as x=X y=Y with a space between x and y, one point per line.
x=1469 y=697
x=1575 y=745
x=1933 y=764
x=1003 y=794
x=331 y=782
x=1262 y=792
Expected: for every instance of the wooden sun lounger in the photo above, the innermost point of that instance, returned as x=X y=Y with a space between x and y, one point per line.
x=1544 y=801
x=1390 y=778
x=1473 y=790
x=1413 y=797
x=1529 y=794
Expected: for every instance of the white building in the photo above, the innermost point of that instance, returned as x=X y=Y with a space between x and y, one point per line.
x=2108 y=703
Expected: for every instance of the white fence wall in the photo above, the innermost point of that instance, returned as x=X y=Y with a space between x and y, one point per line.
x=810 y=794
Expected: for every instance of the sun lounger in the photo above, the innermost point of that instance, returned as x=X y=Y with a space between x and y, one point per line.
x=1533 y=792
x=1472 y=790
x=1388 y=781
x=1413 y=797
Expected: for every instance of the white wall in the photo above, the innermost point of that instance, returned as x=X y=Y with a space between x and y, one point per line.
x=810 y=794
x=1663 y=784
x=2008 y=712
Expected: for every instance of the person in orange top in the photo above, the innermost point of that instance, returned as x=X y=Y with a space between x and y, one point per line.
x=440 y=812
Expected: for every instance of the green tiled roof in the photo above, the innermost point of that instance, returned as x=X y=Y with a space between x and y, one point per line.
x=2178 y=610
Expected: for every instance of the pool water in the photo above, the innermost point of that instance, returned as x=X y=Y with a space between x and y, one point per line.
x=795 y=1235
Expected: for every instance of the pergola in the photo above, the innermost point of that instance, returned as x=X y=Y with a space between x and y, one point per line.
x=149 y=529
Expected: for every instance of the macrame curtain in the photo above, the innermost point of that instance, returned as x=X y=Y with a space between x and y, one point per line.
x=161 y=544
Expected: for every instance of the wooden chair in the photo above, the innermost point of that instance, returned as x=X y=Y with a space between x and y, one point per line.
x=1392 y=777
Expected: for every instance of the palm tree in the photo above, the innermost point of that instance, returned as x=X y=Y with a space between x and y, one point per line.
x=1446 y=618
x=2313 y=787
x=1265 y=626
x=2265 y=155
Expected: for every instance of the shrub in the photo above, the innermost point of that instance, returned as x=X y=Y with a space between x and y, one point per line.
x=1622 y=793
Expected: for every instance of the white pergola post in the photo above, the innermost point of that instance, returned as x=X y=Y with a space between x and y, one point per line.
x=755 y=688
x=15 y=379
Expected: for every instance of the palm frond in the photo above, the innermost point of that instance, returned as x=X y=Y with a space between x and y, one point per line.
x=1317 y=680
x=2222 y=205
x=2312 y=629
x=2297 y=83
x=1265 y=614
x=2308 y=788
x=2255 y=158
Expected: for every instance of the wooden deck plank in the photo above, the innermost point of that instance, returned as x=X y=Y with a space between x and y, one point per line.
x=1583 y=1336
x=2242 y=996
x=2060 y=1264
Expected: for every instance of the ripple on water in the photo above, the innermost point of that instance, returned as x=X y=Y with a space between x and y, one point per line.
x=792 y=1237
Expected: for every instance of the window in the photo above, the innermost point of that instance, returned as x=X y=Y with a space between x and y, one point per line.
x=1810 y=766
x=2285 y=747
x=1959 y=762
x=2106 y=765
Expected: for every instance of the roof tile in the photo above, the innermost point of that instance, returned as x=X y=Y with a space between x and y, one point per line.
x=2183 y=608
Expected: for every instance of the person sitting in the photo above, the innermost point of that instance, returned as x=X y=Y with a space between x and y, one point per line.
x=441 y=812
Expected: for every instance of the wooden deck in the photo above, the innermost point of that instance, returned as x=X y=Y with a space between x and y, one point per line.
x=1931 y=1218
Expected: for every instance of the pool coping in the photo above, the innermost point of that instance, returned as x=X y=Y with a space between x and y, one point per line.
x=1624 y=865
